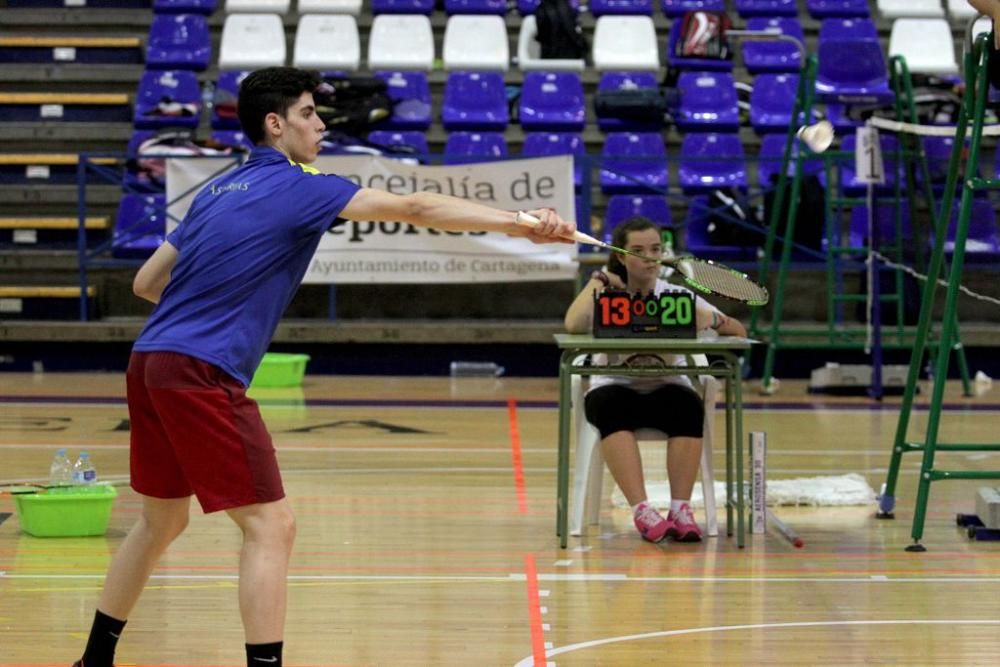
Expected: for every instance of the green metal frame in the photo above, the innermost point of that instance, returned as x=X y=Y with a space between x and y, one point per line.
x=973 y=104
x=837 y=336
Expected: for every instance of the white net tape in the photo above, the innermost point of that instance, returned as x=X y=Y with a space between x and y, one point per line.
x=928 y=130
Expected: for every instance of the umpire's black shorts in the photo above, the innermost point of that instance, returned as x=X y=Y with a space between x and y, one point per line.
x=675 y=409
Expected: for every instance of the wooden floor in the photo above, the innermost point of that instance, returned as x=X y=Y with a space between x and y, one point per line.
x=420 y=544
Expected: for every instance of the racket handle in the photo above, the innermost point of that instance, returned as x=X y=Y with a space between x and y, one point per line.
x=529 y=220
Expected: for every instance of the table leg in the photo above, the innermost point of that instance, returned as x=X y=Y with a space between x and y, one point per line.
x=737 y=367
x=562 y=474
x=730 y=497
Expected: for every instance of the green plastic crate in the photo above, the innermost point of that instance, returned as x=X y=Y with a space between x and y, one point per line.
x=66 y=512
x=280 y=370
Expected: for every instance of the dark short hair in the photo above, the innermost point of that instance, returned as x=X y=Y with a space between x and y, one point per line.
x=270 y=90
x=619 y=237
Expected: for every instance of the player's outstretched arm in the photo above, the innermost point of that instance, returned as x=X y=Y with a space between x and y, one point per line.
x=154 y=274
x=429 y=209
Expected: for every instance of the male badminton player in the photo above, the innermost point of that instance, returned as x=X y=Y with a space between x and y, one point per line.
x=221 y=282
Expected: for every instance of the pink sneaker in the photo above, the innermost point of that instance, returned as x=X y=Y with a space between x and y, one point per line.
x=651 y=524
x=683 y=527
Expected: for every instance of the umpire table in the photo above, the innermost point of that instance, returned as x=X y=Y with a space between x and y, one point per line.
x=728 y=366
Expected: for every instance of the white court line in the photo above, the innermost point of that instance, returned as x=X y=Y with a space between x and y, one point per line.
x=527 y=662
x=416 y=449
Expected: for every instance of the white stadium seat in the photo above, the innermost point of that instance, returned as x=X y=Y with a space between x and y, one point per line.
x=401 y=41
x=327 y=41
x=926 y=44
x=893 y=9
x=476 y=42
x=352 y=7
x=529 y=51
x=251 y=41
x=258 y=6
x=625 y=43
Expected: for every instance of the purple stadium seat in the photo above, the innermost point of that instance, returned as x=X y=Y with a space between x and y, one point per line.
x=552 y=101
x=626 y=81
x=227 y=90
x=403 y=7
x=983 y=242
x=822 y=9
x=169 y=98
x=848 y=28
x=633 y=162
x=205 y=7
x=885 y=224
x=688 y=63
x=849 y=183
x=475 y=7
x=852 y=71
x=937 y=150
x=178 y=41
x=772 y=148
x=234 y=138
x=699 y=242
x=526 y=7
x=772 y=102
x=711 y=161
x=708 y=102
x=621 y=7
x=676 y=8
x=412 y=95
x=748 y=8
x=475 y=101
x=776 y=56
x=469 y=147
x=401 y=143
x=540 y=144
x=622 y=207
x=140 y=226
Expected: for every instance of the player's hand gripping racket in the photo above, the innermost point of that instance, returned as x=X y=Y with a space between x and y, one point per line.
x=701 y=274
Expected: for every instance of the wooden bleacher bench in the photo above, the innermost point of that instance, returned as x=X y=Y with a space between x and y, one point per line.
x=28 y=222
x=106 y=99
x=44 y=292
x=50 y=159
x=47 y=41
x=44 y=302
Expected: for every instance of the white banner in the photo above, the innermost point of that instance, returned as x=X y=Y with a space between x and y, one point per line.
x=365 y=252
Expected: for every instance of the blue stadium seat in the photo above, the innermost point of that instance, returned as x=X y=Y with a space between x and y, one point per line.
x=698 y=241
x=711 y=161
x=541 y=144
x=689 y=63
x=234 y=138
x=622 y=207
x=178 y=41
x=626 y=81
x=227 y=90
x=633 y=162
x=851 y=69
x=772 y=148
x=526 y=7
x=402 y=6
x=885 y=224
x=475 y=101
x=412 y=95
x=851 y=186
x=169 y=98
x=774 y=56
x=937 y=150
x=621 y=7
x=708 y=102
x=983 y=242
x=772 y=102
x=475 y=7
x=822 y=9
x=552 y=101
x=676 y=8
x=470 y=147
x=850 y=28
x=748 y=8
x=140 y=227
x=206 y=7
x=401 y=143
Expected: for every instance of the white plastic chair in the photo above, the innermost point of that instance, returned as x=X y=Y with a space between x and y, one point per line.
x=327 y=41
x=255 y=6
x=529 y=52
x=588 y=474
x=352 y=7
x=401 y=41
x=251 y=41
x=476 y=42
x=625 y=43
x=961 y=10
x=926 y=44
x=893 y=9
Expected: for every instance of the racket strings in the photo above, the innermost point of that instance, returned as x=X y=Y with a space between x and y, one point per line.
x=725 y=282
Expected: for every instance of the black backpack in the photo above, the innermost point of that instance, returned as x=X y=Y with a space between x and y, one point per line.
x=559 y=34
x=353 y=105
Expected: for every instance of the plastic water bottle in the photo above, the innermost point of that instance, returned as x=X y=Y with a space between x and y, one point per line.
x=84 y=472
x=478 y=369
x=61 y=470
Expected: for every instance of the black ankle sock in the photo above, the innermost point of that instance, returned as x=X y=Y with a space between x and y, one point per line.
x=259 y=655
x=103 y=639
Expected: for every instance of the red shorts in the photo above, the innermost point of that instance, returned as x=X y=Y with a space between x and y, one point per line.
x=193 y=430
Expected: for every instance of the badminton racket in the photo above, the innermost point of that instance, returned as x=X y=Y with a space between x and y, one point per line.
x=702 y=275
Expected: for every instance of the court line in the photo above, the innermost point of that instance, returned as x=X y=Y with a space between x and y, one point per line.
x=515 y=456
x=534 y=612
x=527 y=662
